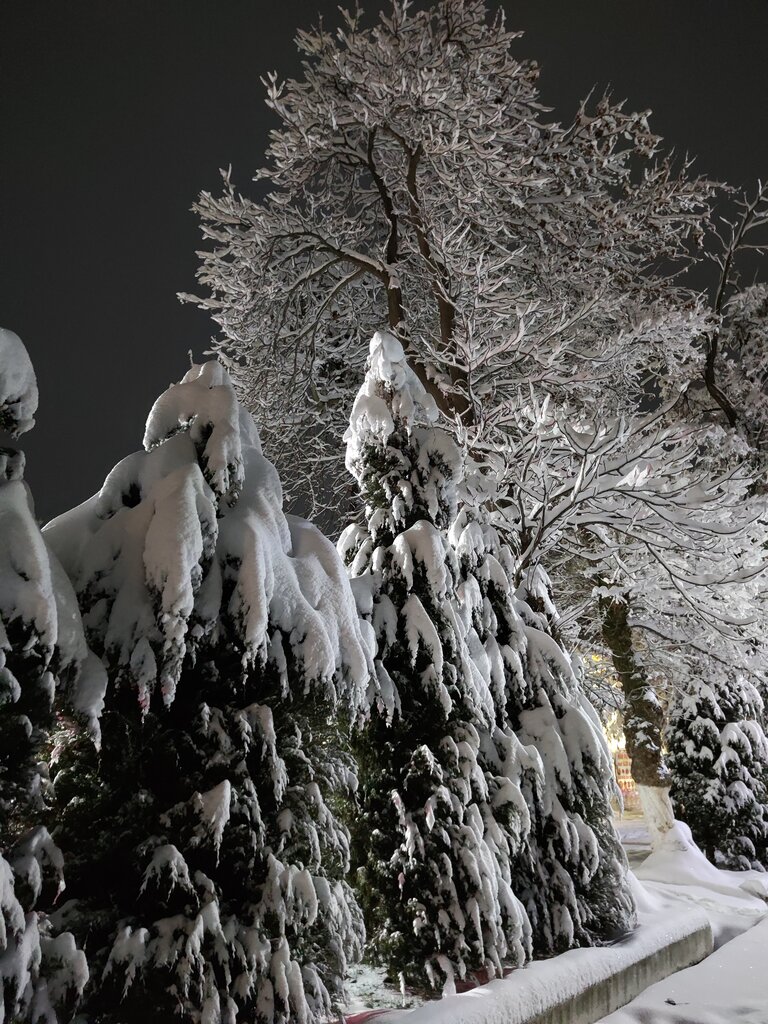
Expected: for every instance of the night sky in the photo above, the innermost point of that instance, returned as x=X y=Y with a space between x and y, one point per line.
x=114 y=114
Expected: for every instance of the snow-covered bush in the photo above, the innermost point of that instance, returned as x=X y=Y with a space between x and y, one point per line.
x=41 y=647
x=211 y=886
x=718 y=754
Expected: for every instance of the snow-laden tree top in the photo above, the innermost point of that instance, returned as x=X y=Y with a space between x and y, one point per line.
x=36 y=598
x=390 y=389
x=187 y=543
x=393 y=412
x=18 y=385
x=205 y=405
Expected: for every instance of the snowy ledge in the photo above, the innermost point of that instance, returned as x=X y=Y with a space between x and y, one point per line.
x=578 y=987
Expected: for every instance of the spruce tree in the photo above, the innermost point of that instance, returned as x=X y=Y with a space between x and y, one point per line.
x=42 y=646
x=570 y=871
x=440 y=808
x=211 y=887
x=575 y=884
x=718 y=755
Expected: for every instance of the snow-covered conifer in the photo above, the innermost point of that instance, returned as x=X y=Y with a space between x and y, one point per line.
x=570 y=873
x=577 y=891
x=441 y=813
x=211 y=886
x=41 y=646
x=718 y=755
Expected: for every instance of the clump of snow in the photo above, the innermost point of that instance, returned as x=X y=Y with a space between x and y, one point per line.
x=65 y=972
x=70 y=638
x=12 y=464
x=676 y=860
x=168 y=869
x=26 y=586
x=35 y=855
x=86 y=695
x=203 y=404
x=214 y=810
x=18 y=385
x=390 y=390
x=167 y=550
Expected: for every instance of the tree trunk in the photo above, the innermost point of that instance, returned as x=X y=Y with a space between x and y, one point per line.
x=643 y=719
x=659 y=815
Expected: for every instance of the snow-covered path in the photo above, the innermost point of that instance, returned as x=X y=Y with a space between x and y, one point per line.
x=729 y=987
x=635 y=838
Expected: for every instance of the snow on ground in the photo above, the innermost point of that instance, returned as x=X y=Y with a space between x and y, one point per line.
x=678 y=875
x=367 y=988
x=635 y=837
x=669 y=884
x=729 y=987
x=531 y=992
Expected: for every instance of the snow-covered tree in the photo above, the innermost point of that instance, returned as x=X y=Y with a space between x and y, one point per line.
x=415 y=179
x=441 y=812
x=734 y=378
x=530 y=273
x=577 y=890
x=571 y=874
x=653 y=538
x=211 y=882
x=42 y=646
x=462 y=658
x=716 y=729
x=718 y=756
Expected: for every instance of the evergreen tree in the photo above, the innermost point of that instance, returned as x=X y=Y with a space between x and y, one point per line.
x=211 y=885
x=42 y=972
x=575 y=883
x=570 y=872
x=718 y=754
x=441 y=811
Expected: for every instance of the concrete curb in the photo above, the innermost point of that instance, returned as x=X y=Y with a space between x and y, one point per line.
x=578 y=987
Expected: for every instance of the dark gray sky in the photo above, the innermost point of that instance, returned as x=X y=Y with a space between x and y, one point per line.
x=114 y=114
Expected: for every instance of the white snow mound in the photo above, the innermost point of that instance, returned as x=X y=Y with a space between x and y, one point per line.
x=18 y=385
